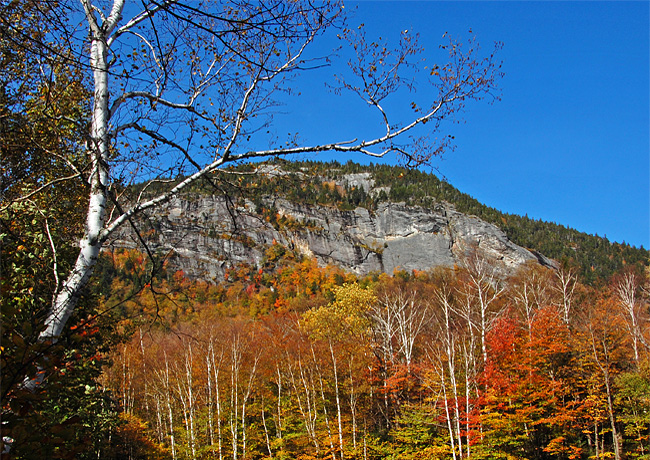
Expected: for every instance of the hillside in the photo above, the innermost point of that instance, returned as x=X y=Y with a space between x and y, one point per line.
x=300 y=197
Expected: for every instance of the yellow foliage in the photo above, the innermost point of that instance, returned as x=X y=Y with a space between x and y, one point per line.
x=345 y=316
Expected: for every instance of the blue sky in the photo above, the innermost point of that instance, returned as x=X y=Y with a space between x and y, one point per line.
x=568 y=142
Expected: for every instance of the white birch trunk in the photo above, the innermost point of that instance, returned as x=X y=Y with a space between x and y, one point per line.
x=266 y=432
x=338 y=400
x=354 y=398
x=126 y=382
x=169 y=410
x=278 y=427
x=190 y=399
x=145 y=374
x=208 y=365
x=451 y=364
x=566 y=280
x=159 y=420
x=324 y=400
x=308 y=408
x=215 y=369
x=625 y=291
x=181 y=397
x=604 y=367
x=245 y=399
x=468 y=408
x=234 y=397
x=448 y=414
x=98 y=151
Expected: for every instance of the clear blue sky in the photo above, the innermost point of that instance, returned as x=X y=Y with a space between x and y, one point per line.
x=569 y=142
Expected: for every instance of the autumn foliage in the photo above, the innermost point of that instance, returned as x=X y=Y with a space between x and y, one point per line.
x=293 y=360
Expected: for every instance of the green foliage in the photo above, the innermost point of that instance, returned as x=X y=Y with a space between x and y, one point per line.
x=414 y=430
x=633 y=399
x=68 y=415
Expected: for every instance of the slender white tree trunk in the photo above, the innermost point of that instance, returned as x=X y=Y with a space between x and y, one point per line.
x=266 y=432
x=208 y=364
x=447 y=412
x=566 y=284
x=127 y=397
x=354 y=398
x=604 y=367
x=625 y=291
x=234 y=396
x=181 y=397
x=322 y=394
x=278 y=429
x=144 y=374
x=98 y=151
x=338 y=400
x=468 y=408
x=308 y=408
x=190 y=399
x=215 y=369
x=244 y=403
x=170 y=413
x=451 y=365
x=160 y=426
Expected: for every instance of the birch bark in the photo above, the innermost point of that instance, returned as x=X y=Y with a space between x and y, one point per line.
x=98 y=151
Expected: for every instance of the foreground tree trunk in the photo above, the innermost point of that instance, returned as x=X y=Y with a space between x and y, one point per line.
x=98 y=150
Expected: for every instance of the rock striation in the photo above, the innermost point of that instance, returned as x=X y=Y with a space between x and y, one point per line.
x=205 y=235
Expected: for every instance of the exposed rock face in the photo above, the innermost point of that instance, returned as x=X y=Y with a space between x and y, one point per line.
x=205 y=237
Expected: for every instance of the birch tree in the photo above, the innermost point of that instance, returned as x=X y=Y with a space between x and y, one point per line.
x=626 y=291
x=443 y=351
x=565 y=285
x=481 y=289
x=178 y=88
x=530 y=294
x=398 y=318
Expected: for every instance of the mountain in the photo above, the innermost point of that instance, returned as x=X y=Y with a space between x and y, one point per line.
x=361 y=218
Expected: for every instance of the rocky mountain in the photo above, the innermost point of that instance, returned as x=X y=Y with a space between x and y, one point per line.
x=204 y=234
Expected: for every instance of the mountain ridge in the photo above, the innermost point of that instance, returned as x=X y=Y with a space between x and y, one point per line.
x=342 y=215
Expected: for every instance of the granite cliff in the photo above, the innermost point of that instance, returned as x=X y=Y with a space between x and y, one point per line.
x=204 y=234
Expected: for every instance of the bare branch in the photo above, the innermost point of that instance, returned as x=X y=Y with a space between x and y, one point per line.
x=90 y=16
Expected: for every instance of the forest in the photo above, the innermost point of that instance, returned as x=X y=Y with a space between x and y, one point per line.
x=296 y=361
x=293 y=360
